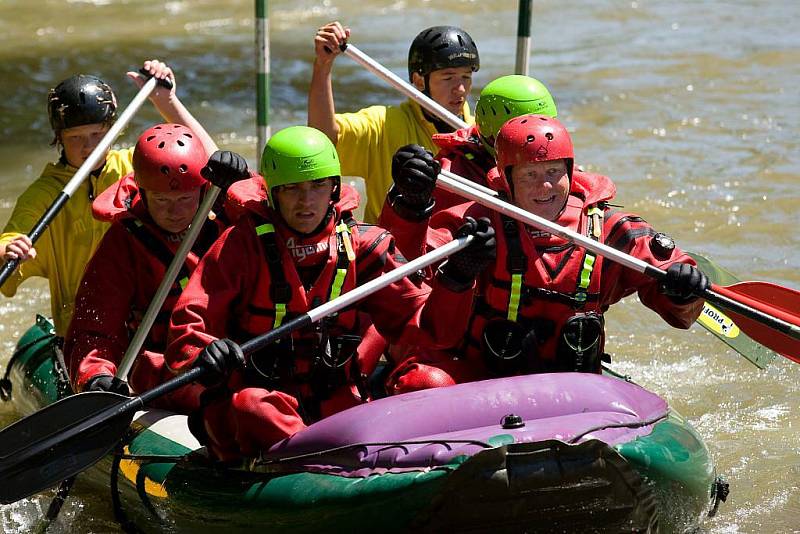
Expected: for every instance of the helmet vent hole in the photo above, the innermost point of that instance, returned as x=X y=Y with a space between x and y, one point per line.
x=543 y=118
x=164 y=170
x=161 y=144
x=274 y=167
x=188 y=135
x=157 y=127
x=460 y=41
x=441 y=47
x=508 y=111
x=183 y=168
x=523 y=121
x=530 y=139
x=180 y=143
x=549 y=136
x=150 y=137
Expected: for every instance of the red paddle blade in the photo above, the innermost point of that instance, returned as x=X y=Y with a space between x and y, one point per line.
x=780 y=302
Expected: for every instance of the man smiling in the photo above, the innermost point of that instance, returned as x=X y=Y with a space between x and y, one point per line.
x=539 y=307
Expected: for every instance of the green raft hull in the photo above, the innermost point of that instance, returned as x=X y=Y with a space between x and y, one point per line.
x=162 y=481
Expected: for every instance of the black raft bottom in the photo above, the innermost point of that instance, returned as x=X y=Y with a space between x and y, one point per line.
x=548 y=486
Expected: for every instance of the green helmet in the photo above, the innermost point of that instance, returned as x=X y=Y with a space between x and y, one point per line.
x=509 y=97
x=298 y=154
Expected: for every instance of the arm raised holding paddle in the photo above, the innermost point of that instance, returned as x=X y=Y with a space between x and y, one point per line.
x=441 y=62
x=57 y=206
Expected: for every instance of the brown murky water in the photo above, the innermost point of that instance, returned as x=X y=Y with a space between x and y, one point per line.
x=692 y=107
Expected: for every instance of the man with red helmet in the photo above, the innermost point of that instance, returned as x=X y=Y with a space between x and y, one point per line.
x=149 y=211
x=539 y=307
x=468 y=152
x=81 y=110
x=441 y=61
x=297 y=250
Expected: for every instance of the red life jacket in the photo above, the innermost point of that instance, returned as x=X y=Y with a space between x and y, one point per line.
x=540 y=281
x=316 y=360
x=124 y=204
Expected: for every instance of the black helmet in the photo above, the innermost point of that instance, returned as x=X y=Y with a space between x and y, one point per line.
x=80 y=100
x=442 y=47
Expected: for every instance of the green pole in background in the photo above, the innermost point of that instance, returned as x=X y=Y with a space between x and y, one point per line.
x=523 y=36
x=262 y=78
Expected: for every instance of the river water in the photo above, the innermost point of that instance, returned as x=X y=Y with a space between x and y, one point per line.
x=692 y=107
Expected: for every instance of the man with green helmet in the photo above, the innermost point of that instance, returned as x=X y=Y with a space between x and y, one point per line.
x=297 y=249
x=441 y=61
x=468 y=152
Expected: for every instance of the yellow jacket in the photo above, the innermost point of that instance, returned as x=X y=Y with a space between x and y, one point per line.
x=369 y=138
x=66 y=246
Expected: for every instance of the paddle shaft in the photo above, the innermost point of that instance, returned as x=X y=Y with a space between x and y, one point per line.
x=356 y=294
x=403 y=86
x=83 y=171
x=431 y=106
x=127 y=406
x=163 y=290
x=717 y=295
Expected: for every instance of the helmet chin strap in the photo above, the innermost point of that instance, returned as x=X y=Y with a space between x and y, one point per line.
x=440 y=125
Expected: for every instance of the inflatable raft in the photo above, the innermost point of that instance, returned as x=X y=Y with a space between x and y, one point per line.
x=539 y=453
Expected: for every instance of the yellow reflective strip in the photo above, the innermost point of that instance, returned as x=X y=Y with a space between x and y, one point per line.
x=469 y=155
x=264 y=229
x=183 y=281
x=513 y=299
x=280 y=313
x=338 y=283
x=586 y=273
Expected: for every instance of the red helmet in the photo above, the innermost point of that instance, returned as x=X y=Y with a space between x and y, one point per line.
x=167 y=158
x=529 y=138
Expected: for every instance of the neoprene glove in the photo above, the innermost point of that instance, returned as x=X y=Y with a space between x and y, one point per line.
x=107 y=383
x=224 y=168
x=684 y=283
x=219 y=358
x=414 y=172
x=465 y=265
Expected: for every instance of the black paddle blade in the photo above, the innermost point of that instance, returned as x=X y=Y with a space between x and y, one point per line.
x=59 y=441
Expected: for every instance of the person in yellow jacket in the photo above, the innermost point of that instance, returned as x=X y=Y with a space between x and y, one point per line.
x=441 y=61
x=81 y=109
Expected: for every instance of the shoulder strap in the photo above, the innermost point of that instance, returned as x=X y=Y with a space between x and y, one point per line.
x=280 y=290
x=156 y=247
x=594 y=229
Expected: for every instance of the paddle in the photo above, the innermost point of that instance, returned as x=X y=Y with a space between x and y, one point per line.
x=711 y=319
x=163 y=290
x=766 y=312
x=72 y=434
x=722 y=326
x=84 y=170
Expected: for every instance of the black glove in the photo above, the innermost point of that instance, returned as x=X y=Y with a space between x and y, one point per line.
x=414 y=172
x=225 y=167
x=107 y=383
x=684 y=283
x=220 y=358
x=466 y=264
